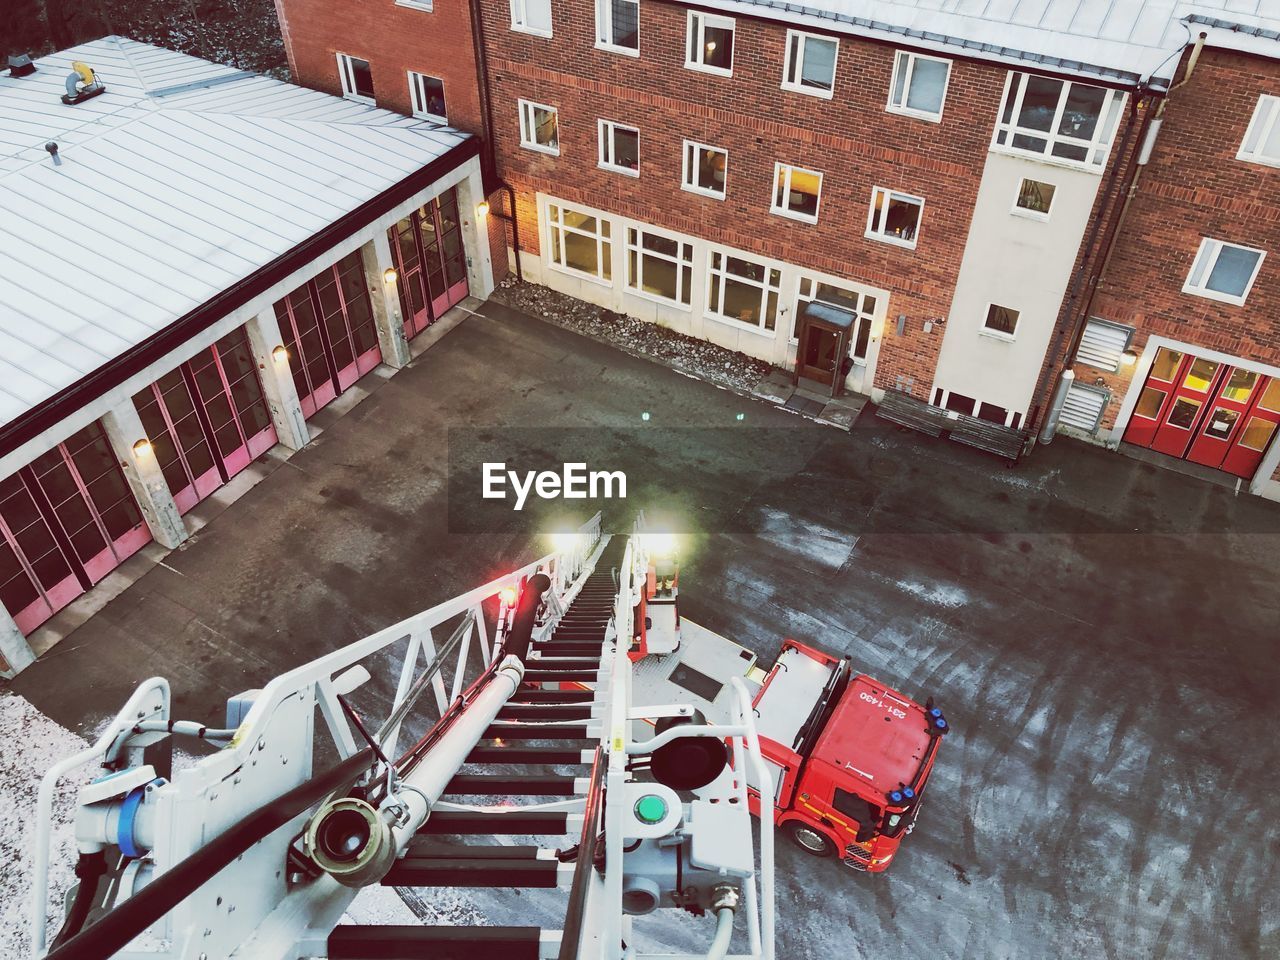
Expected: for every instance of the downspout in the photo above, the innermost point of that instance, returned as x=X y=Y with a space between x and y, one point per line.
x=1151 y=130
x=486 y=115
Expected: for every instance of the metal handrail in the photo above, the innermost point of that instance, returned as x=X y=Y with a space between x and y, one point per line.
x=571 y=936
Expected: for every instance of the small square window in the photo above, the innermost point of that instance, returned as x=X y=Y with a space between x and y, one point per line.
x=1223 y=271
x=894 y=217
x=539 y=127
x=705 y=169
x=427 y=97
x=1034 y=199
x=619 y=148
x=919 y=86
x=531 y=16
x=1001 y=322
x=796 y=192
x=709 y=44
x=357 y=78
x=811 y=64
x=618 y=26
x=1262 y=139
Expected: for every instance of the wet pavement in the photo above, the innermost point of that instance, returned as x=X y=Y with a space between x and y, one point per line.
x=1101 y=633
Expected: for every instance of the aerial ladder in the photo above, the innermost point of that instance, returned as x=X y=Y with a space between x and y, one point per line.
x=257 y=849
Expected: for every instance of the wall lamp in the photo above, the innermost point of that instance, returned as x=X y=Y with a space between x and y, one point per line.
x=280 y=354
x=482 y=208
x=1129 y=358
x=142 y=448
x=389 y=275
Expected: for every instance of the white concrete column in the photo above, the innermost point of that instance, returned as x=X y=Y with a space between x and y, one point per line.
x=142 y=471
x=277 y=381
x=475 y=234
x=1266 y=469
x=385 y=297
x=17 y=653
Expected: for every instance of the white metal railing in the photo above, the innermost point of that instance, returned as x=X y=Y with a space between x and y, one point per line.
x=323 y=681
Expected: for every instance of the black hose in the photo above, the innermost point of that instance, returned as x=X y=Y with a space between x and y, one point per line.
x=517 y=641
x=115 y=930
x=89 y=870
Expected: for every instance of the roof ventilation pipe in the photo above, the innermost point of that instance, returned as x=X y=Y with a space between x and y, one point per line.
x=53 y=152
x=82 y=84
x=20 y=65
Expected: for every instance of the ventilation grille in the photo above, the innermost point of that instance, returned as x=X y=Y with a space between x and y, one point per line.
x=1102 y=344
x=1084 y=406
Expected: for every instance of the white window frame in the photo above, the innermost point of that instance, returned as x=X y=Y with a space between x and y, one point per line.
x=906 y=60
x=697 y=24
x=778 y=168
x=602 y=241
x=788 y=68
x=767 y=286
x=528 y=136
x=889 y=193
x=689 y=167
x=418 y=97
x=424 y=5
x=1206 y=259
x=986 y=331
x=1019 y=211
x=520 y=18
x=607 y=147
x=604 y=29
x=1266 y=114
x=808 y=293
x=347 y=75
x=679 y=261
x=1097 y=148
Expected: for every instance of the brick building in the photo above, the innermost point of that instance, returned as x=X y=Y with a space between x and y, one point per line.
x=843 y=192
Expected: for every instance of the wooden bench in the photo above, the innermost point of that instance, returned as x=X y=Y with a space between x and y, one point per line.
x=907 y=411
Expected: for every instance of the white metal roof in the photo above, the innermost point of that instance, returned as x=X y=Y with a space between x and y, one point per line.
x=180 y=180
x=1118 y=38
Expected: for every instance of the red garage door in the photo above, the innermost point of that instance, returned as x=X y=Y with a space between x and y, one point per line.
x=431 y=262
x=1207 y=411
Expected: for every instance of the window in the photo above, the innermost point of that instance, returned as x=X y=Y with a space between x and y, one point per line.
x=579 y=243
x=894 y=217
x=796 y=192
x=1000 y=322
x=705 y=169
x=531 y=16
x=618 y=26
x=861 y=305
x=1262 y=139
x=1068 y=122
x=1035 y=197
x=1223 y=271
x=415 y=4
x=427 y=96
x=539 y=127
x=619 y=148
x=811 y=64
x=710 y=44
x=1103 y=344
x=743 y=291
x=357 y=78
x=659 y=266
x=919 y=85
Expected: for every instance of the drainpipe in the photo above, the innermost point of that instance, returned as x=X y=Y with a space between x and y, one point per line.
x=1055 y=408
x=486 y=117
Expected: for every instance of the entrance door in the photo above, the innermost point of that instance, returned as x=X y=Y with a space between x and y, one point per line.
x=1259 y=425
x=328 y=329
x=207 y=420
x=1225 y=417
x=430 y=261
x=818 y=353
x=66 y=521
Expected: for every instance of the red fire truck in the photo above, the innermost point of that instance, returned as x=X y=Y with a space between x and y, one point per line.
x=849 y=757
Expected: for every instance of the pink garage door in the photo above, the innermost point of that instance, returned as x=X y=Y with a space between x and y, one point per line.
x=431 y=262
x=66 y=521
x=207 y=420
x=327 y=326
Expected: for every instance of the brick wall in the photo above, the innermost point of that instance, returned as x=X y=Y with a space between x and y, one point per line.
x=850 y=139
x=1195 y=187
x=394 y=39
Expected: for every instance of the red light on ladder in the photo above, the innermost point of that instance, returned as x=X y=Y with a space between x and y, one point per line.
x=508 y=596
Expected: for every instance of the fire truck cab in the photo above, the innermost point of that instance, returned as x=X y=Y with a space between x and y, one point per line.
x=849 y=756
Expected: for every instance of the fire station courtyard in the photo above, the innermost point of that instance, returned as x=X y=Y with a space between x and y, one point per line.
x=1101 y=634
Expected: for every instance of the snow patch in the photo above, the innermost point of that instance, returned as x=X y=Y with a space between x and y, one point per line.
x=34 y=743
x=939 y=594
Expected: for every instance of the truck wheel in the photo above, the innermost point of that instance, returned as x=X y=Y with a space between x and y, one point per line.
x=811 y=841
